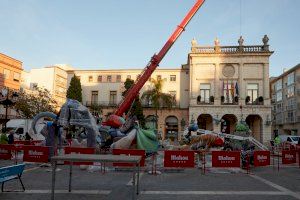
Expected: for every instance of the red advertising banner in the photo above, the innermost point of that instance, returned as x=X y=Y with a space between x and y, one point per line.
x=79 y=150
x=128 y=152
x=179 y=159
x=6 y=151
x=261 y=158
x=36 y=154
x=226 y=159
x=289 y=156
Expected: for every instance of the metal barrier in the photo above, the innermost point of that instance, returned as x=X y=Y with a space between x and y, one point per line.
x=173 y=159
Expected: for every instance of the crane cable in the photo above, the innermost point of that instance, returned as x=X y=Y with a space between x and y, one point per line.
x=240 y=17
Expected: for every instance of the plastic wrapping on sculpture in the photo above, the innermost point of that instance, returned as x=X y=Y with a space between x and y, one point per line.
x=40 y=116
x=125 y=142
x=73 y=113
x=147 y=140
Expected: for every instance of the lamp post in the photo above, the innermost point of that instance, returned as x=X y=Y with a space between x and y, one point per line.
x=7 y=102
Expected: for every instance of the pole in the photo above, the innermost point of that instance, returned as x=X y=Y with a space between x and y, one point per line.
x=6 y=108
x=278 y=160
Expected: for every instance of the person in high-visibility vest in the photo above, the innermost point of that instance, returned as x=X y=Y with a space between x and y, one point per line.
x=3 y=138
x=277 y=140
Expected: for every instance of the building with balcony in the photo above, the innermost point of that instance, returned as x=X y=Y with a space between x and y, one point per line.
x=229 y=84
x=10 y=77
x=218 y=87
x=285 y=93
x=104 y=88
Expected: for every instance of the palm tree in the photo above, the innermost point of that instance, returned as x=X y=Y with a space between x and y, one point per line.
x=156 y=97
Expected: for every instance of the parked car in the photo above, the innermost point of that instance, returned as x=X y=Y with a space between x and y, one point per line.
x=21 y=126
x=289 y=138
x=289 y=141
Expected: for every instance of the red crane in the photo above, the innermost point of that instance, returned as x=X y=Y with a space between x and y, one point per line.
x=155 y=60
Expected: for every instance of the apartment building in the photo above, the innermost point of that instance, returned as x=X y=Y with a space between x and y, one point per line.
x=285 y=93
x=52 y=78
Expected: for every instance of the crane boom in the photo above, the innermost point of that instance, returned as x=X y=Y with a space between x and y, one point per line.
x=155 y=60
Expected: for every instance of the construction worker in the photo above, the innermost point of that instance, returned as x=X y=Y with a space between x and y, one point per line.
x=277 y=141
x=3 y=138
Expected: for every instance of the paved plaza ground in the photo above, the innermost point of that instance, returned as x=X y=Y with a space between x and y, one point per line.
x=262 y=183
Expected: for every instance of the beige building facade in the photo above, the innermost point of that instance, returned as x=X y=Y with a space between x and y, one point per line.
x=218 y=87
x=229 y=84
x=285 y=93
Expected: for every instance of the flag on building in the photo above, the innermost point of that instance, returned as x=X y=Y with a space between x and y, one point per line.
x=232 y=89
x=227 y=91
x=237 y=89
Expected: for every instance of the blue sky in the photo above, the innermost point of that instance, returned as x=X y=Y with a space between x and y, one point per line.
x=112 y=34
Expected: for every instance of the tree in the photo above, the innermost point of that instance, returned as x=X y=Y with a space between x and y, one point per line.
x=136 y=108
x=156 y=98
x=30 y=104
x=74 y=91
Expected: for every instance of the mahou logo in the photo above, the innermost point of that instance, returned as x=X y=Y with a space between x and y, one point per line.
x=4 y=151
x=179 y=158
x=289 y=156
x=35 y=153
x=262 y=157
x=226 y=158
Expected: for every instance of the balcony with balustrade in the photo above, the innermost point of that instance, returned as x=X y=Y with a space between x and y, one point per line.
x=241 y=48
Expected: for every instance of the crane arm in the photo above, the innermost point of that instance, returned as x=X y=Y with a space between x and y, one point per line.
x=155 y=60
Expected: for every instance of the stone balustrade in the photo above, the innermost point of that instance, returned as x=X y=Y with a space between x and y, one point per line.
x=231 y=49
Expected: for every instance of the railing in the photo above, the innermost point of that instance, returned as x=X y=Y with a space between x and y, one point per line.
x=114 y=104
x=9 y=116
x=205 y=103
x=231 y=49
x=290 y=120
x=229 y=103
x=101 y=103
x=174 y=105
x=255 y=103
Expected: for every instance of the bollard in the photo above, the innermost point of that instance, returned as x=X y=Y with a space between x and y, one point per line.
x=278 y=161
x=16 y=157
x=273 y=155
x=154 y=164
x=102 y=168
x=299 y=157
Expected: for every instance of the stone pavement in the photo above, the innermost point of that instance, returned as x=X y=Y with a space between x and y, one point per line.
x=262 y=183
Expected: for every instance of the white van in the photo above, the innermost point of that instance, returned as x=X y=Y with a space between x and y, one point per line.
x=289 y=138
x=21 y=126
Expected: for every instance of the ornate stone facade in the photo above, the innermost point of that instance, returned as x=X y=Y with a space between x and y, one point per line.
x=229 y=84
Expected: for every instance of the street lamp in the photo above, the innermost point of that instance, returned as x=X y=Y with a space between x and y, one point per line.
x=7 y=102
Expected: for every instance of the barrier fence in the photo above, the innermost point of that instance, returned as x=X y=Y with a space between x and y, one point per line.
x=172 y=158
